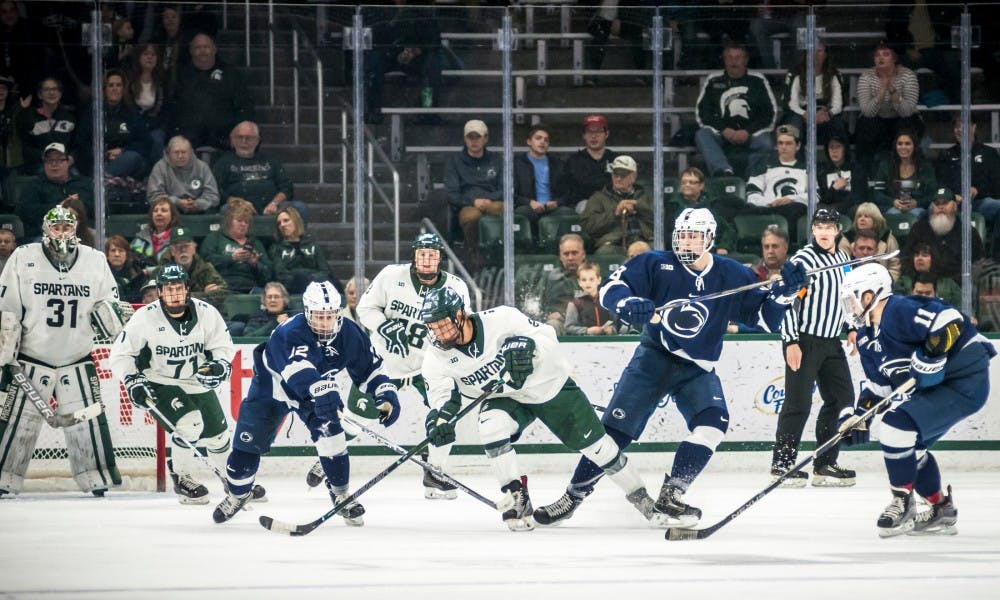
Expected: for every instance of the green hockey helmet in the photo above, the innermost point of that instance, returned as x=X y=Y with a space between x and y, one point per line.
x=427 y=257
x=59 y=232
x=172 y=273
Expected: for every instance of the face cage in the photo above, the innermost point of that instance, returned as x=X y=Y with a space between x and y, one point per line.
x=325 y=336
x=855 y=314
x=451 y=343
x=427 y=277
x=60 y=246
x=689 y=257
x=164 y=296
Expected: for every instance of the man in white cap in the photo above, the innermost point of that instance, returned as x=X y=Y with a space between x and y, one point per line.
x=620 y=213
x=56 y=184
x=472 y=181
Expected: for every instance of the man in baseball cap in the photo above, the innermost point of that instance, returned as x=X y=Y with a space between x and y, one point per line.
x=589 y=170
x=472 y=180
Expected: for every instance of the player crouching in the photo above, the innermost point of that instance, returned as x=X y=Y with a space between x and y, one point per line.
x=470 y=351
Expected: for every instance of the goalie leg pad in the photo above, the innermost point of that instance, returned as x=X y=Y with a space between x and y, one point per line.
x=91 y=454
x=20 y=424
x=10 y=337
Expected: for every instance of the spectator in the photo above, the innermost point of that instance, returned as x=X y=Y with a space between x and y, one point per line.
x=174 y=40
x=887 y=95
x=204 y=281
x=537 y=176
x=621 y=213
x=867 y=217
x=584 y=314
x=774 y=17
x=921 y=34
x=843 y=184
x=148 y=88
x=126 y=138
x=472 y=181
x=240 y=259
x=86 y=233
x=273 y=311
x=297 y=258
x=129 y=275
x=905 y=181
x=56 y=184
x=924 y=284
x=735 y=113
x=152 y=242
x=8 y=242
x=865 y=244
x=149 y=292
x=780 y=185
x=560 y=286
x=937 y=228
x=210 y=98
x=830 y=94
x=49 y=122
x=122 y=47
x=774 y=253
x=10 y=108
x=589 y=170
x=985 y=162
x=636 y=248
x=351 y=298
x=184 y=178
x=923 y=263
x=694 y=195
x=248 y=173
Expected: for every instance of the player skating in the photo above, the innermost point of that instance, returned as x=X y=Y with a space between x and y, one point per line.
x=469 y=351
x=677 y=353
x=940 y=348
x=307 y=366
x=54 y=296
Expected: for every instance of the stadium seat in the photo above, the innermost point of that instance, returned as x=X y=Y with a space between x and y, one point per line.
x=552 y=227
x=201 y=225
x=124 y=225
x=609 y=262
x=671 y=189
x=750 y=227
x=241 y=304
x=727 y=187
x=12 y=223
x=491 y=235
x=900 y=224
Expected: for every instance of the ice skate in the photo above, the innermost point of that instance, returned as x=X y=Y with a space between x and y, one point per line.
x=939 y=519
x=898 y=517
x=99 y=493
x=436 y=488
x=518 y=518
x=315 y=476
x=189 y=490
x=229 y=506
x=642 y=502
x=353 y=513
x=258 y=494
x=833 y=476
x=559 y=511
x=670 y=502
x=797 y=479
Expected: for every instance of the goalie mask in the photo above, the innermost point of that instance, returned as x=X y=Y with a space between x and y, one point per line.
x=427 y=258
x=863 y=287
x=440 y=313
x=59 y=233
x=172 y=287
x=322 y=304
x=694 y=234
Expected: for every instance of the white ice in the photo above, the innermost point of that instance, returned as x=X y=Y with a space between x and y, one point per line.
x=805 y=543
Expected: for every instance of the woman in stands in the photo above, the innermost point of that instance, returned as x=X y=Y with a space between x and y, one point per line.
x=905 y=181
x=868 y=216
x=843 y=184
x=830 y=93
x=298 y=259
x=148 y=86
x=129 y=275
x=153 y=240
x=126 y=138
x=87 y=235
x=887 y=96
x=49 y=122
x=273 y=311
x=240 y=258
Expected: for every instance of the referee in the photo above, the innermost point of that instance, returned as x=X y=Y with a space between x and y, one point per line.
x=813 y=355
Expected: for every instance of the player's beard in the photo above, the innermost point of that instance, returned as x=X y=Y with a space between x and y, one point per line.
x=941 y=223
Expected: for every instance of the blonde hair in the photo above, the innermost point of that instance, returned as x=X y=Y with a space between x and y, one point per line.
x=870 y=209
x=589 y=266
x=237 y=209
x=293 y=214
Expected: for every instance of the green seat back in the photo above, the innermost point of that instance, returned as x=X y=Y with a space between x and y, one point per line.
x=552 y=227
x=750 y=227
x=900 y=224
x=241 y=304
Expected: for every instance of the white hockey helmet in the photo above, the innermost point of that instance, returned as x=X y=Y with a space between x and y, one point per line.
x=59 y=232
x=322 y=303
x=697 y=220
x=861 y=290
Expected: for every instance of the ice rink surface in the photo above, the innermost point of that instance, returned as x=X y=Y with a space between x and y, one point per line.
x=795 y=543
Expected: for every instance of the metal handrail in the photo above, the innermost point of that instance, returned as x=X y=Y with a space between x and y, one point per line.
x=373 y=148
x=319 y=95
x=477 y=293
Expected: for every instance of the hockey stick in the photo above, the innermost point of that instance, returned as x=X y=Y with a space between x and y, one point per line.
x=186 y=444
x=437 y=472
x=300 y=530
x=679 y=533
x=55 y=420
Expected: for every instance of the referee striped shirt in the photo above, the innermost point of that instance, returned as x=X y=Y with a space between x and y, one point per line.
x=818 y=313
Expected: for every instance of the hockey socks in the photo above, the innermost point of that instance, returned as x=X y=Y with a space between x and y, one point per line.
x=898 y=437
x=240 y=470
x=707 y=429
x=928 y=483
x=337 y=470
x=588 y=473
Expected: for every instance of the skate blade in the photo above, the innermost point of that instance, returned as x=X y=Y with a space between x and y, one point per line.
x=436 y=494
x=192 y=501
x=941 y=530
x=356 y=522
x=793 y=483
x=524 y=524
x=888 y=532
x=824 y=481
x=665 y=521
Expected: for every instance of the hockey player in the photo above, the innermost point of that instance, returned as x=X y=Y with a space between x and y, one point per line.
x=940 y=348
x=470 y=351
x=54 y=296
x=307 y=365
x=172 y=355
x=677 y=353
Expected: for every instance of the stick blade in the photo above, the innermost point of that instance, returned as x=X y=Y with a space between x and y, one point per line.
x=284 y=528
x=682 y=533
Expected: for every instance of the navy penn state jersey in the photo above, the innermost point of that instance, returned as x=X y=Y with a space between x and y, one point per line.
x=693 y=331
x=293 y=359
x=905 y=324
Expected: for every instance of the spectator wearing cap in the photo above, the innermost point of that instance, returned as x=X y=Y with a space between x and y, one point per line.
x=843 y=184
x=780 y=185
x=537 y=176
x=472 y=180
x=10 y=108
x=184 y=178
x=204 y=281
x=589 y=170
x=985 y=162
x=887 y=96
x=49 y=122
x=56 y=184
x=923 y=265
x=735 y=112
x=621 y=212
x=937 y=229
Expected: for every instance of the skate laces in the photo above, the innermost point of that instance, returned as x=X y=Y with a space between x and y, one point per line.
x=896 y=508
x=187 y=482
x=563 y=505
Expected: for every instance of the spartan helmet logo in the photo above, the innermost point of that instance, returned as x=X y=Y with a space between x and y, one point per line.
x=785 y=187
x=734 y=102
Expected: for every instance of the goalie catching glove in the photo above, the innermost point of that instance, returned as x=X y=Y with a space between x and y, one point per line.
x=518 y=354
x=213 y=373
x=106 y=319
x=139 y=391
x=440 y=429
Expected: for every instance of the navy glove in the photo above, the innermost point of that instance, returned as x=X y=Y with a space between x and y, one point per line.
x=793 y=279
x=519 y=359
x=326 y=400
x=213 y=373
x=852 y=428
x=927 y=371
x=393 y=332
x=440 y=429
x=635 y=310
x=388 y=404
x=139 y=390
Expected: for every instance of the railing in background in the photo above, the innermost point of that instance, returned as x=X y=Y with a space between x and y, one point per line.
x=477 y=294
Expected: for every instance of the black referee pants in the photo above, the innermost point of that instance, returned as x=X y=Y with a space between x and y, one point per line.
x=824 y=364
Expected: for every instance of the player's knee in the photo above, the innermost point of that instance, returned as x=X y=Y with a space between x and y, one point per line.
x=898 y=430
x=709 y=427
x=242 y=466
x=605 y=454
x=190 y=425
x=334 y=445
x=496 y=426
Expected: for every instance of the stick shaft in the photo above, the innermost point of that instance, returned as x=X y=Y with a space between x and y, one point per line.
x=186 y=444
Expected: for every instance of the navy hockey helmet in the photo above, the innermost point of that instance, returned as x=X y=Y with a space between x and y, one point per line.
x=442 y=304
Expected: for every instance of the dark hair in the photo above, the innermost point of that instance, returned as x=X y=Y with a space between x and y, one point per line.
x=925 y=277
x=894 y=162
x=694 y=171
x=829 y=73
x=539 y=127
x=126 y=87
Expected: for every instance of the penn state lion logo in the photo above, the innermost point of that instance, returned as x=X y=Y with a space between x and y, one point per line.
x=684 y=320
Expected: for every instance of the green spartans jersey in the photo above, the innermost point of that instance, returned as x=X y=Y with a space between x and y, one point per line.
x=390 y=310
x=55 y=303
x=475 y=365
x=169 y=351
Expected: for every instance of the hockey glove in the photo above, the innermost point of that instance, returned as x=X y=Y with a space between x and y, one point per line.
x=518 y=355
x=393 y=332
x=139 y=391
x=213 y=373
x=927 y=371
x=793 y=279
x=635 y=311
x=440 y=429
x=328 y=404
x=388 y=404
x=851 y=426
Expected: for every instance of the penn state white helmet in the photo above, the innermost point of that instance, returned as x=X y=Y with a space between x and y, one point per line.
x=871 y=278
x=697 y=220
x=322 y=297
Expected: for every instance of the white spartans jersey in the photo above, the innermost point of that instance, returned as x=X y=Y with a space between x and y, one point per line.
x=397 y=294
x=473 y=366
x=168 y=351
x=56 y=304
